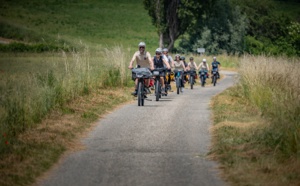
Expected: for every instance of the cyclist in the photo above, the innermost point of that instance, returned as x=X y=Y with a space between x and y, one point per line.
x=160 y=61
x=171 y=63
x=143 y=60
x=179 y=65
x=185 y=65
x=203 y=66
x=192 y=66
x=215 y=66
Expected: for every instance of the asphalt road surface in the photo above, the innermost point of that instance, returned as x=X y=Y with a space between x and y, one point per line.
x=163 y=143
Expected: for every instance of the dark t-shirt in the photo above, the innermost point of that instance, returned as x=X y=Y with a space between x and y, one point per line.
x=215 y=64
x=158 y=62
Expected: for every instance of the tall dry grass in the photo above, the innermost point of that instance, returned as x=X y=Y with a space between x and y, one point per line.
x=26 y=98
x=273 y=85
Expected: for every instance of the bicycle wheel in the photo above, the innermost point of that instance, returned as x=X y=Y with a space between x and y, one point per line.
x=140 y=94
x=202 y=81
x=214 y=80
x=157 y=89
x=177 y=85
x=192 y=81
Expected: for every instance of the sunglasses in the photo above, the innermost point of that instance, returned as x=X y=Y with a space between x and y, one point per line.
x=158 y=53
x=142 y=47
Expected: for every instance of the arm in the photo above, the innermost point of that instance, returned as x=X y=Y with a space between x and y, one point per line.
x=151 y=63
x=199 y=67
x=182 y=64
x=196 y=66
x=132 y=60
x=172 y=62
x=166 y=63
x=188 y=67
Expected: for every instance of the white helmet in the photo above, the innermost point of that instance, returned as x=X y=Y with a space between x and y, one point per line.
x=142 y=44
x=165 y=50
x=158 y=50
x=214 y=57
x=204 y=60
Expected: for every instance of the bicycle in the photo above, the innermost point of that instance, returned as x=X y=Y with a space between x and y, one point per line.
x=178 y=80
x=158 y=72
x=203 y=75
x=192 y=75
x=141 y=74
x=214 y=76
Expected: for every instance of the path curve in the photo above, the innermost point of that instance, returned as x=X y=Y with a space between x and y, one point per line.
x=162 y=143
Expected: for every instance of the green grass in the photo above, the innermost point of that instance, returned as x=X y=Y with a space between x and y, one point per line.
x=93 y=22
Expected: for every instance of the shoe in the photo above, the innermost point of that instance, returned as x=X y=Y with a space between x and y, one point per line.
x=163 y=91
x=134 y=93
x=181 y=89
x=145 y=97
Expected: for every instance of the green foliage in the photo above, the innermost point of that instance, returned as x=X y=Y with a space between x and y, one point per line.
x=173 y=18
x=221 y=28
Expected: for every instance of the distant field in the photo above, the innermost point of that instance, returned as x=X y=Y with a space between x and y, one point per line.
x=92 y=22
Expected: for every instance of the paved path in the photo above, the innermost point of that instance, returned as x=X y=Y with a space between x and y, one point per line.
x=162 y=143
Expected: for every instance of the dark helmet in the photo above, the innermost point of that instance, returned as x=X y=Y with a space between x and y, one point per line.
x=182 y=58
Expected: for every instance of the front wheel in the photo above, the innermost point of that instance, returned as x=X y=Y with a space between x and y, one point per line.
x=202 y=81
x=140 y=94
x=192 y=81
x=178 y=84
x=157 y=90
x=214 y=80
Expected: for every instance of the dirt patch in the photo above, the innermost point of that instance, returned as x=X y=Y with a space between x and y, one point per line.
x=6 y=41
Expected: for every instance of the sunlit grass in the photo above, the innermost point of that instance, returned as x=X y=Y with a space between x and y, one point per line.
x=256 y=123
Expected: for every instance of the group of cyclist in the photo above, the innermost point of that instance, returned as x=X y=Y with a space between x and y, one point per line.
x=162 y=59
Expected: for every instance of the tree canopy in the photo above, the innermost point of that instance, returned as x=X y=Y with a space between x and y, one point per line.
x=231 y=26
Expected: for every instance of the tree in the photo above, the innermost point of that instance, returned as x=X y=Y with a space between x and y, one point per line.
x=173 y=18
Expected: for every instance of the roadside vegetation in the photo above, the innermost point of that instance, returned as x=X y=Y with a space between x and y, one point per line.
x=66 y=65
x=257 y=123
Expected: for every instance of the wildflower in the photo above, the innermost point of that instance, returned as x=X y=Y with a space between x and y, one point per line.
x=6 y=142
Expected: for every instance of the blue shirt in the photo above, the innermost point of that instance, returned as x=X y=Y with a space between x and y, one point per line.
x=215 y=65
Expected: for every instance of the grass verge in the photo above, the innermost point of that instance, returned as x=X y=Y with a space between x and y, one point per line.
x=37 y=149
x=245 y=157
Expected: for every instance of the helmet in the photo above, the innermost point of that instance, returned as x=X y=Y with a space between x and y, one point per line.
x=214 y=57
x=182 y=58
x=191 y=58
x=158 y=50
x=142 y=44
x=204 y=60
x=165 y=50
x=177 y=55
